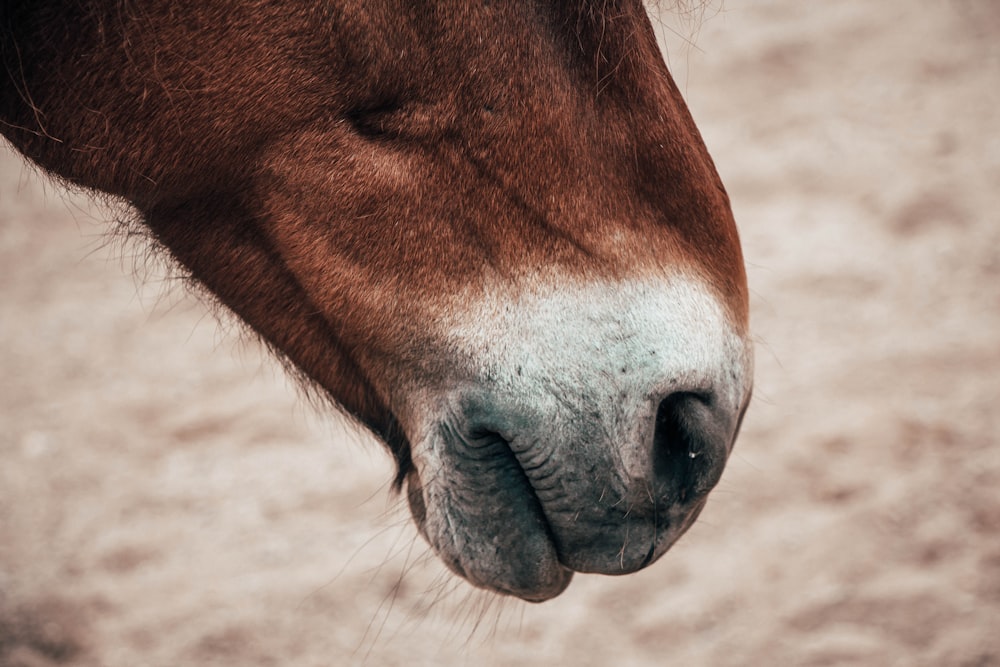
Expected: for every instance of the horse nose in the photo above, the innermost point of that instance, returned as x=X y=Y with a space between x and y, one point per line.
x=583 y=436
x=662 y=485
x=691 y=441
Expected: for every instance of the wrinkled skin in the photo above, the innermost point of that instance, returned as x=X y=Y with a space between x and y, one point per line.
x=489 y=230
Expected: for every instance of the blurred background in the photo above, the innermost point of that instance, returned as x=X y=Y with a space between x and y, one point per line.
x=168 y=498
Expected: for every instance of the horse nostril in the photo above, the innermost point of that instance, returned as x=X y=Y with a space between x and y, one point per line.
x=690 y=445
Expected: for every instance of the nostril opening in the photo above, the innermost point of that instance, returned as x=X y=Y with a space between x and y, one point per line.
x=683 y=447
x=677 y=422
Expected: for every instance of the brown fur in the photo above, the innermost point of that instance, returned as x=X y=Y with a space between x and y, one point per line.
x=334 y=171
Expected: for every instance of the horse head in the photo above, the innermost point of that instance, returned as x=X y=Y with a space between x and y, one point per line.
x=489 y=230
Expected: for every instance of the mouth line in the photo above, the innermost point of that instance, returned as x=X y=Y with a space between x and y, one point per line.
x=482 y=515
x=486 y=438
x=493 y=512
x=489 y=438
x=497 y=440
x=480 y=439
x=527 y=469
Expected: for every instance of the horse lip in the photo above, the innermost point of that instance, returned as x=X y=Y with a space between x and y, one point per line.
x=506 y=544
x=512 y=467
x=666 y=524
x=671 y=531
x=541 y=514
x=544 y=596
x=485 y=434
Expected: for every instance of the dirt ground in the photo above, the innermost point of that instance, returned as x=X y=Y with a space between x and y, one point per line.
x=167 y=498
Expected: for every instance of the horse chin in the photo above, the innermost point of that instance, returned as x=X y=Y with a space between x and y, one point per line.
x=503 y=546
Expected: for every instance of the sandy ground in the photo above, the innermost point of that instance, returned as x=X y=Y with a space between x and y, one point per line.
x=167 y=498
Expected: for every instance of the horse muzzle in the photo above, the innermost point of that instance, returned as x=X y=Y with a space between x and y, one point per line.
x=584 y=437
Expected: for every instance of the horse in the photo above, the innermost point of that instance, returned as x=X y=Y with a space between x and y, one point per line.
x=489 y=231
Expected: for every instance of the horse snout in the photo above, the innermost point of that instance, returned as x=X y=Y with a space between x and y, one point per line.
x=585 y=435
x=656 y=472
